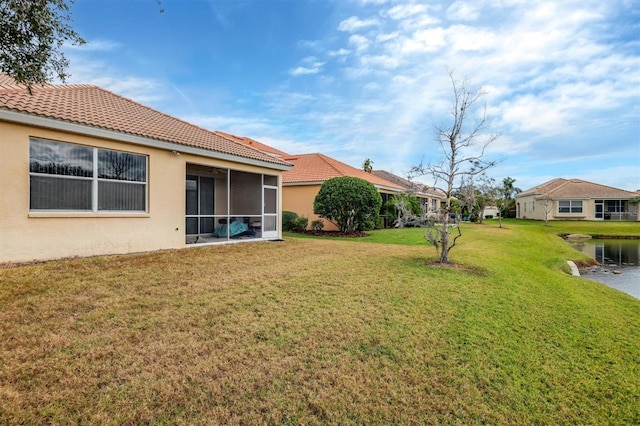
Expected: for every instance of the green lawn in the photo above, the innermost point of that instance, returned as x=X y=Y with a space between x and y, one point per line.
x=324 y=331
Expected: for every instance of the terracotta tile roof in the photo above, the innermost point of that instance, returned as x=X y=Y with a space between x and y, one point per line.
x=95 y=107
x=574 y=188
x=253 y=144
x=409 y=185
x=308 y=168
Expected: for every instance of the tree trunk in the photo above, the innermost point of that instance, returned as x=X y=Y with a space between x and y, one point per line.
x=444 y=233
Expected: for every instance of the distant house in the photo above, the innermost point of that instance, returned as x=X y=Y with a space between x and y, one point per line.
x=490 y=211
x=87 y=172
x=301 y=184
x=575 y=199
x=430 y=198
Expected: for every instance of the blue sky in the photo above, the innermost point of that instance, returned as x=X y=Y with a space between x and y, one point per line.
x=357 y=79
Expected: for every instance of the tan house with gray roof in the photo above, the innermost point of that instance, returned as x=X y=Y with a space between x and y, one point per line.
x=87 y=172
x=575 y=199
x=430 y=198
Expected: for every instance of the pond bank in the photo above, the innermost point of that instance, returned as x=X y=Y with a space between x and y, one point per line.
x=617 y=262
x=627 y=280
x=604 y=237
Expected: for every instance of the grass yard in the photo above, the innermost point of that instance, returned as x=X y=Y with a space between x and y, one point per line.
x=323 y=331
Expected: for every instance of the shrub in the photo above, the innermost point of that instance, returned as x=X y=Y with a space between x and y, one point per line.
x=352 y=204
x=287 y=220
x=317 y=225
x=299 y=224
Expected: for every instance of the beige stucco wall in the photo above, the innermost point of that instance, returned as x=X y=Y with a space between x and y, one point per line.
x=27 y=236
x=530 y=208
x=299 y=199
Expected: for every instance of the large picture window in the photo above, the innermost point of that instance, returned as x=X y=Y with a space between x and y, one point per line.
x=66 y=176
x=570 y=206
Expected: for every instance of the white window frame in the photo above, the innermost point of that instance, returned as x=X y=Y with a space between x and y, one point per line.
x=95 y=180
x=573 y=206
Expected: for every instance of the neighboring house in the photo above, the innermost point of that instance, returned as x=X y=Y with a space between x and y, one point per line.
x=490 y=211
x=301 y=184
x=87 y=172
x=566 y=199
x=430 y=198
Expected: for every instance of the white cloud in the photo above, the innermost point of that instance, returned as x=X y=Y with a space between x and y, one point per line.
x=304 y=71
x=354 y=24
x=529 y=113
x=412 y=16
x=381 y=38
x=355 y=73
x=310 y=44
x=463 y=11
x=623 y=177
x=382 y=61
x=466 y=38
x=140 y=89
x=375 y=2
x=403 y=80
x=429 y=40
x=505 y=144
x=312 y=66
x=339 y=52
x=554 y=72
x=406 y=10
x=94 y=46
x=418 y=22
x=359 y=42
x=373 y=86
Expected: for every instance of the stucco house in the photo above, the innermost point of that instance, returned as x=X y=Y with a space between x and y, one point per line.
x=575 y=199
x=301 y=184
x=430 y=198
x=87 y=172
x=490 y=212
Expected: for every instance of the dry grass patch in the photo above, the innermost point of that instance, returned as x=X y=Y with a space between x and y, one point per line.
x=276 y=332
x=301 y=331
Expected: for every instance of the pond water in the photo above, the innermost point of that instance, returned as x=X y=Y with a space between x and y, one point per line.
x=619 y=263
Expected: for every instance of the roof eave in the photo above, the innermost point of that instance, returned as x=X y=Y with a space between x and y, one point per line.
x=302 y=183
x=67 y=126
x=320 y=182
x=388 y=188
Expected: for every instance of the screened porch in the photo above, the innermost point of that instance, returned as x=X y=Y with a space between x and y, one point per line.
x=617 y=210
x=224 y=205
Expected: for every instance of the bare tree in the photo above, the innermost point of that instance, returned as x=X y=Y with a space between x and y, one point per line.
x=474 y=195
x=547 y=209
x=462 y=146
